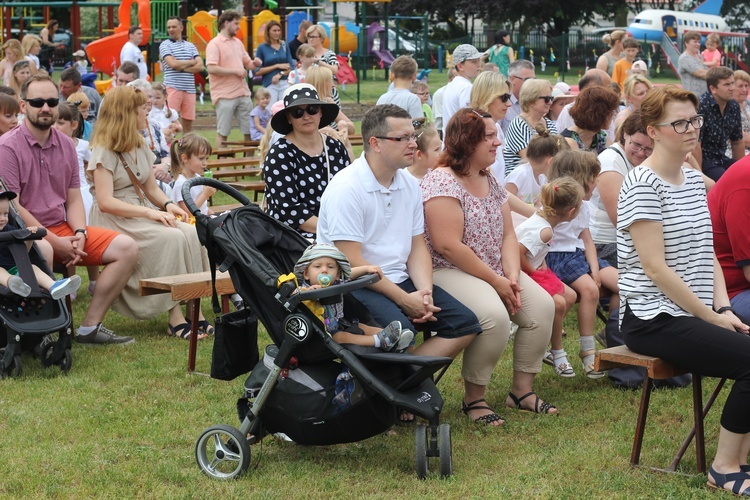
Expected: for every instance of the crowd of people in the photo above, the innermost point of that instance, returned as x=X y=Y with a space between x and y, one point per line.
x=488 y=214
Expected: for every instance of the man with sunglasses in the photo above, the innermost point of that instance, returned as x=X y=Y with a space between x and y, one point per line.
x=41 y=165
x=227 y=62
x=518 y=72
x=723 y=124
x=466 y=60
x=372 y=211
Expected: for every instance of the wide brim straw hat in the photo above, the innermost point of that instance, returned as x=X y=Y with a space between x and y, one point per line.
x=302 y=94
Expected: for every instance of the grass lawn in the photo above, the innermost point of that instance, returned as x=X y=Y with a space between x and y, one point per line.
x=124 y=421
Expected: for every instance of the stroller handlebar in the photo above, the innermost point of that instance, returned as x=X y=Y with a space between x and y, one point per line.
x=218 y=185
x=22 y=235
x=321 y=293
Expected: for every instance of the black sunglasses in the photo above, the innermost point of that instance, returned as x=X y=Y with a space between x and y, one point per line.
x=299 y=112
x=38 y=102
x=504 y=97
x=547 y=98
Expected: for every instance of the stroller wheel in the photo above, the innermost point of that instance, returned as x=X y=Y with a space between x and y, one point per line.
x=14 y=369
x=222 y=452
x=446 y=450
x=420 y=451
x=66 y=362
x=48 y=358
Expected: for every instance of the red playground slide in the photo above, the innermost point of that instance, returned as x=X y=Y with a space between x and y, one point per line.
x=104 y=54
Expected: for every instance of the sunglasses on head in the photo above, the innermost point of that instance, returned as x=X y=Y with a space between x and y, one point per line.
x=299 y=112
x=38 y=102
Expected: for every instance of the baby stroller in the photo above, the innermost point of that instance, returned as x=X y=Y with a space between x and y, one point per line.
x=292 y=389
x=28 y=321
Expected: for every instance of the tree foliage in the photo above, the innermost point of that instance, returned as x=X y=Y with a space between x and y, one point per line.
x=736 y=13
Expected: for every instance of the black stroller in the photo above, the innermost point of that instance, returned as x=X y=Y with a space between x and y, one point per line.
x=30 y=322
x=292 y=390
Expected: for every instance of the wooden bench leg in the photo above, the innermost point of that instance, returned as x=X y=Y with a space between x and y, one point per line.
x=640 y=425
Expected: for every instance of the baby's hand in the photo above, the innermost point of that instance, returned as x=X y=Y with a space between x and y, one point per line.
x=374 y=270
x=32 y=228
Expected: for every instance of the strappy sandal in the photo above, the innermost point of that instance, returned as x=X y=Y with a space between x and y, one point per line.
x=487 y=419
x=738 y=478
x=205 y=327
x=182 y=331
x=544 y=407
x=588 y=369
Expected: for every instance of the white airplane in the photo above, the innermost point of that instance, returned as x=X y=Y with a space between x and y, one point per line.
x=651 y=23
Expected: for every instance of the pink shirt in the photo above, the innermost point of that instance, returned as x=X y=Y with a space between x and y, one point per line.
x=41 y=175
x=228 y=53
x=483 y=218
x=711 y=55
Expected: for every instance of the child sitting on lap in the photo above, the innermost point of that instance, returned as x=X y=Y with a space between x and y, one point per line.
x=58 y=289
x=324 y=265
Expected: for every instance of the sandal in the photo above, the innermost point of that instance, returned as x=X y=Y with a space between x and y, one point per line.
x=182 y=331
x=205 y=327
x=548 y=358
x=544 y=407
x=588 y=369
x=487 y=419
x=565 y=370
x=738 y=478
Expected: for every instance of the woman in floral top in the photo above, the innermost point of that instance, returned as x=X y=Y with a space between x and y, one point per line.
x=592 y=113
x=475 y=255
x=741 y=88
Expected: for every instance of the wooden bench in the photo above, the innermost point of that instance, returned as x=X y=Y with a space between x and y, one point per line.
x=658 y=369
x=356 y=140
x=240 y=162
x=235 y=173
x=233 y=151
x=240 y=143
x=257 y=187
x=191 y=288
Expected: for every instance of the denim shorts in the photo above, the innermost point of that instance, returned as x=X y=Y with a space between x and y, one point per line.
x=454 y=319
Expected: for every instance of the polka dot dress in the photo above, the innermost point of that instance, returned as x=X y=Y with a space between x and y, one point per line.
x=295 y=181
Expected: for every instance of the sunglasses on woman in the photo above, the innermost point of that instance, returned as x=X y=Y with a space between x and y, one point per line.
x=300 y=111
x=547 y=98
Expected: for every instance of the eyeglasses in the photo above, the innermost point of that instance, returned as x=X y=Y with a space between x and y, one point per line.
x=405 y=138
x=38 y=102
x=504 y=97
x=682 y=126
x=637 y=148
x=547 y=98
x=312 y=36
x=521 y=78
x=299 y=112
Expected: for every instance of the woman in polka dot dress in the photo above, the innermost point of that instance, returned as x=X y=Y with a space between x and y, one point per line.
x=297 y=167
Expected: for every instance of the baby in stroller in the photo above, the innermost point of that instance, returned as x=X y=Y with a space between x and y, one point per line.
x=324 y=265
x=8 y=271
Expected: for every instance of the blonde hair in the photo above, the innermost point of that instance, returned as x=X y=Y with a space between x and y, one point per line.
x=13 y=46
x=742 y=75
x=531 y=90
x=487 y=87
x=583 y=166
x=29 y=42
x=261 y=92
x=628 y=86
x=190 y=145
x=425 y=131
x=612 y=38
x=560 y=195
x=79 y=97
x=319 y=29
x=715 y=38
x=117 y=121
x=545 y=145
x=160 y=87
x=322 y=79
x=305 y=50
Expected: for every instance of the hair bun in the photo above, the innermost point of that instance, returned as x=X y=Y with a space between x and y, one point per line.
x=542 y=130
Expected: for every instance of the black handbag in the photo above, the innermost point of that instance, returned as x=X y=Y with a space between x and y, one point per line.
x=235 y=345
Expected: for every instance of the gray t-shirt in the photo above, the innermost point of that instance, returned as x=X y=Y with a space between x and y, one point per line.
x=405 y=99
x=688 y=65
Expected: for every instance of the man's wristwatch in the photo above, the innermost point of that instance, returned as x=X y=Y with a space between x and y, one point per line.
x=83 y=231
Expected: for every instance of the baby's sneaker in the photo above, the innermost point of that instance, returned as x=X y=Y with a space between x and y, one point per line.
x=65 y=286
x=390 y=336
x=18 y=286
x=407 y=336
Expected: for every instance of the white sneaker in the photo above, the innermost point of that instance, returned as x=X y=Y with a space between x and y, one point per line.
x=404 y=341
x=18 y=286
x=65 y=286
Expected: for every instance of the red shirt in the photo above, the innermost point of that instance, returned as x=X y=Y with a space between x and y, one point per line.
x=40 y=175
x=729 y=204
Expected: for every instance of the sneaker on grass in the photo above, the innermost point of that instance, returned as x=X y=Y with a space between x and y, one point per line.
x=102 y=335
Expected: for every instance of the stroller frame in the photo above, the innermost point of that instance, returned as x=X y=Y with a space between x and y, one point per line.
x=222 y=451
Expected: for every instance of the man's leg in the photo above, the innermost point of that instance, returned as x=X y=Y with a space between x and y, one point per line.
x=119 y=260
x=242 y=114
x=224 y=113
x=186 y=107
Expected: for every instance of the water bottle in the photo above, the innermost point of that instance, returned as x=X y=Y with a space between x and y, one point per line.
x=208 y=174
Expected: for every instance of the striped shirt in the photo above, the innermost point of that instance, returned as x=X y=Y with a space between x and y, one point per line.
x=182 y=51
x=682 y=210
x=517 y=139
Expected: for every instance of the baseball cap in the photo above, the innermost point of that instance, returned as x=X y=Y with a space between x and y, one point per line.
x=639 y=66
x=465 y=52
x=7 y=195
x=79 y=53
x=561 y=89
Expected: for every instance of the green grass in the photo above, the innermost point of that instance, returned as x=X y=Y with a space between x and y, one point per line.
x=124 y=421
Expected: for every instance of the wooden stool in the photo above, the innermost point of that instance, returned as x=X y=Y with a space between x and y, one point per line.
x=657 y=369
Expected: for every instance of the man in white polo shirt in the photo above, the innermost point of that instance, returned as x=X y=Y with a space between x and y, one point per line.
x=131 y=52
x=180 y=62
x=466 y=60
x=372 y=211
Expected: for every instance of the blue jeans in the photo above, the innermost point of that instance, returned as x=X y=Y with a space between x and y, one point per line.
x=454 y=319
x=741 y=305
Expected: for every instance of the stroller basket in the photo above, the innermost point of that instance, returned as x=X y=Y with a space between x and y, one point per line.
x=256 y=250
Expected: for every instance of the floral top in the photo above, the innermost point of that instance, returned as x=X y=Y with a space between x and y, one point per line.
x=483 y=218
x=598 y=143
x=745 y=127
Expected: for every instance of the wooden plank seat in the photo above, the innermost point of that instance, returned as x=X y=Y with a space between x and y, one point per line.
x=243 y=161
x=229 y=152
x=658 y=369
x=235 y=173
x=240 y=143
x=356 y=140
x=257 y=187
x=191 y=288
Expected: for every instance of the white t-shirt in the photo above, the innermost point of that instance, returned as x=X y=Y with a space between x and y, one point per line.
x=456 y=96
x=612 y=159
x=437 y=108
x=355 y=207
x=131 y=52
x=194 y=192
x=567 y=236
x=159 y=117
x=84 y=155
x=529 y=234
x=498 y=168
x=682 y=211
x=529 y=186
